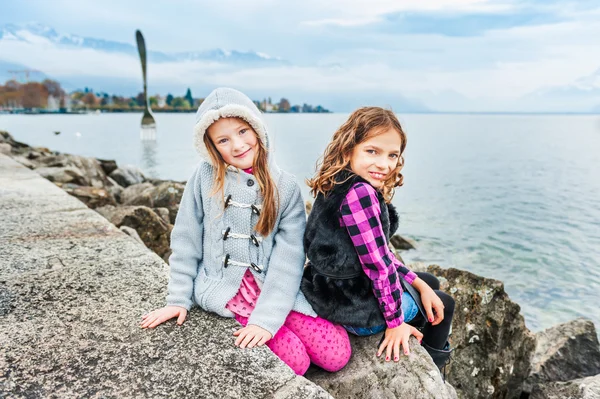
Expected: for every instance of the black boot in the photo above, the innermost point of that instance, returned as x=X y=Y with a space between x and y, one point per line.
x=440 y=357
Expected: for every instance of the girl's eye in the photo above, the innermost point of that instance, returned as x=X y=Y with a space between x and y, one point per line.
x=243 y=131
x=394 y=156
x=222 y=141
x=372 y=152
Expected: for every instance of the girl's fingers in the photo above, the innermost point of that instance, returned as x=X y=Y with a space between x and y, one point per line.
x=262 y=341
x=382 y=347
x=418 y=335
x=255 y=341
x=396 y=351
x=246 y=340
x=388 y=352
x=181 y=318
x=237 y=332
x=241 y=335
x=405 y=345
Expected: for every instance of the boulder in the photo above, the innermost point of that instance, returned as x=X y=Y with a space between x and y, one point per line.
x=5 y=137
x=153 y=231
x=114 y=188
x=67 y=174
x=131 y=233
x=127 y=175
x=565 y=352
x=108 y=166
x=400 y=243
x=163 y=213
x=367 y=376
x=584 y=388
x=138 y=194
x=5 y=148
x=93 y=197
x=492 y=347
x=90 y=169
x=166 y=194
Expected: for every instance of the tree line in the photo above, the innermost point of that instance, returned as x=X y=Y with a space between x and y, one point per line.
x=49 y=96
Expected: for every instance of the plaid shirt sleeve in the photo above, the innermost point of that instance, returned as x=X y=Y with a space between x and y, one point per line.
x=360 y=214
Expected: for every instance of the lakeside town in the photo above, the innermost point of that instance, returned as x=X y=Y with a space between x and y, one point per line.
x=48 y=97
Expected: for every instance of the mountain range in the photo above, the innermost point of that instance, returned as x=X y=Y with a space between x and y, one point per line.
x=113 y=67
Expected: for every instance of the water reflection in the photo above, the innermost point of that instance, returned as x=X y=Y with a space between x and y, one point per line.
x=149 y=160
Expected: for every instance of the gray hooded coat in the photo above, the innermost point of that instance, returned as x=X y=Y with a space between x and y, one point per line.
x=200 y=252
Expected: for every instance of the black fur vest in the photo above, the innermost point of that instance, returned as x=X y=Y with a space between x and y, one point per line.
x=334 y=282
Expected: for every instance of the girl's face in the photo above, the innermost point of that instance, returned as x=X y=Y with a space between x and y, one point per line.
x=235 y=140
x=375 y=158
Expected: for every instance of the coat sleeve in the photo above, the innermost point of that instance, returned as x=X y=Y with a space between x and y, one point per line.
x=186 y=244
x=286 y=265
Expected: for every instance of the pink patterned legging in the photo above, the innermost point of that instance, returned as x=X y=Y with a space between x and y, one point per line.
x=303 y=339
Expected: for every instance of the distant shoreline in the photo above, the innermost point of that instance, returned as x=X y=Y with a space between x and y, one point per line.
x=190 y=111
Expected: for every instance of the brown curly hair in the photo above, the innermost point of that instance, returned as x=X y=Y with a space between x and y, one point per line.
x=362 y=124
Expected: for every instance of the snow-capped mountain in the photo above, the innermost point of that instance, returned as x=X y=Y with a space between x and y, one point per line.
x=41 y=34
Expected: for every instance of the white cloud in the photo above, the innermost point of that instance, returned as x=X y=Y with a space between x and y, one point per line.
x=357 y=12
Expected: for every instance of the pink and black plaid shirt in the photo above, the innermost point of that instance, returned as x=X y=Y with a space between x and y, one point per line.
x=360 y=213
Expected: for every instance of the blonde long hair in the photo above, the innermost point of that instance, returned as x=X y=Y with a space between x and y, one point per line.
x=260 y=169
x=362 y=124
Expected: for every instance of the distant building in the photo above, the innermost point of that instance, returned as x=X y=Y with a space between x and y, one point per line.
x=53 y=104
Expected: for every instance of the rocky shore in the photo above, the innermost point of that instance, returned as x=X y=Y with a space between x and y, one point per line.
x=495 y=355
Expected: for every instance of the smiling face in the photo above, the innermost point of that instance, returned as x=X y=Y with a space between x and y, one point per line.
x=235 y=140
x=375 y=158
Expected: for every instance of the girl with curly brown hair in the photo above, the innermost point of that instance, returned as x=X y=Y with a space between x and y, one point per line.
x=352 y=278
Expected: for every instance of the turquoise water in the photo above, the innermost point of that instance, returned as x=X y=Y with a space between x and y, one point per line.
x=511 y=197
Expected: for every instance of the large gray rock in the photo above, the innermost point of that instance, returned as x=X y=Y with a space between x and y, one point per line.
x=5 y=148
x=400 y=243
x=565 y=352
x=166 y=194
x=492 y=347
x=584 y=388
x=367 y=376
x=63 y=175
x=93 y=197
x=90 y=169
x=127 y=175
x=138 y=194
x=72 y=290
x=152 y=229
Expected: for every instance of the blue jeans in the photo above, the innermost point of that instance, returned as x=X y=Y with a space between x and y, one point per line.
x=409 y=309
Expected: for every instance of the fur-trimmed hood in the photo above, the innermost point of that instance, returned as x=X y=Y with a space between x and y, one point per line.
x=225 y=102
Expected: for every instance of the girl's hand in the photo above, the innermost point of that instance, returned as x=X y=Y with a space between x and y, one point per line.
x=433 y=305
x=394 y=337
x=161 y=315
x=251 y=336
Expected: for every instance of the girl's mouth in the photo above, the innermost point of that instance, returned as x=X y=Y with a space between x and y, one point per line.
x=377 y=176
x=242 y=155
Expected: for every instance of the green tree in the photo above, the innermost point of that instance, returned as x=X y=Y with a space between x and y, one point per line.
x=169 y=100
x=188 y=97
x=180 y=102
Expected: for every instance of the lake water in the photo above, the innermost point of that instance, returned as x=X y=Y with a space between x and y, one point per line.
x=511 y=197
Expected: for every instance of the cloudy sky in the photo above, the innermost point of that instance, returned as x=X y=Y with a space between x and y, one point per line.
x=448 y=55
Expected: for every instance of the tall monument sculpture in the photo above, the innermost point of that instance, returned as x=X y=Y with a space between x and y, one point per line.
x=148 y=123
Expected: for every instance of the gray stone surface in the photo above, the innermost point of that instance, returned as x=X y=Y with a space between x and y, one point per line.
x=565 y=352
x=492 y=346
x=72 y=290
x=584 y=388
x=151 y=228
x=367 y=376
x=127 y=175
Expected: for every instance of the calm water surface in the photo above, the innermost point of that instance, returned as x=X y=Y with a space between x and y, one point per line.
x=511 y=197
